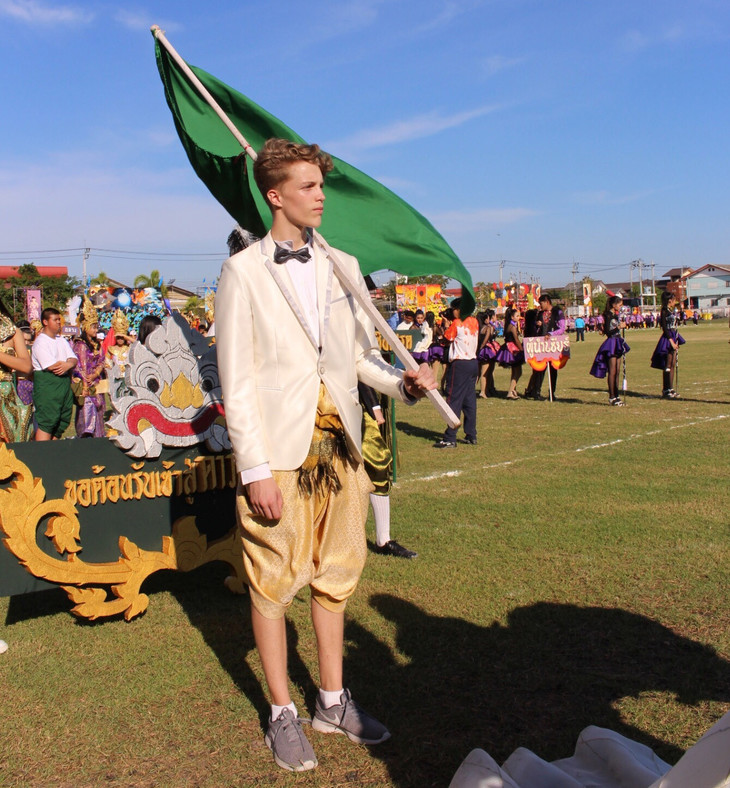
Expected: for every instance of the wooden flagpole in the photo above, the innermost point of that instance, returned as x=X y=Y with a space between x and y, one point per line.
x=350 y=286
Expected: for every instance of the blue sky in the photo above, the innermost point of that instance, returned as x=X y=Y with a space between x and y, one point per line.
x=540 y=133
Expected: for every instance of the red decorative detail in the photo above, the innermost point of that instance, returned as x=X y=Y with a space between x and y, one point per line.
x=177 y=429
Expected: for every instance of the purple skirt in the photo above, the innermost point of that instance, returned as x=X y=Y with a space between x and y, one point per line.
x=25 y=390
x=613 y=347
x=421 y=357
x=488 y=352
x=506 y=358
x=659 y=357
x=436 y=353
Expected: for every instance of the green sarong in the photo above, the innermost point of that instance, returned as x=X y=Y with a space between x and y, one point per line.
x=53 y=402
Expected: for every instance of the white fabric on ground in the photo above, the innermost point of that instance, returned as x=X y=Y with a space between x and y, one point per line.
x=605 y=759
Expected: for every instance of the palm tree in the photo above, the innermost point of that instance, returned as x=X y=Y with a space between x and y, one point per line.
x=194 y=304
x=153 y=280
x=101 y=279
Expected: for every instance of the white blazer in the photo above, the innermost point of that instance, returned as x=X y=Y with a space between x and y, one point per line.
x=270 y=365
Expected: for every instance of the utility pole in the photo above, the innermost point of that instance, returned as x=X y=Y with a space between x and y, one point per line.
x=87 y=251
x=501 y=267
x=639 y=264
x=653 y=286
x=575 y=271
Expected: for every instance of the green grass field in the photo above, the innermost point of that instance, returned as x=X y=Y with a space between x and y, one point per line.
x=573 y=569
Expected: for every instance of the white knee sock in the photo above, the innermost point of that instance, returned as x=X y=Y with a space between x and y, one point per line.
x=276 y=710
x=381 y=513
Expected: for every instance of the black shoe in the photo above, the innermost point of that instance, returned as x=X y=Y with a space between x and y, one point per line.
x=470 y=439
x=393 y=548
x=445 y=445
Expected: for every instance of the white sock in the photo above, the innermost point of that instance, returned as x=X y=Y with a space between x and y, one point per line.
x=276 y=710
x=330 y=699
x=381 y=513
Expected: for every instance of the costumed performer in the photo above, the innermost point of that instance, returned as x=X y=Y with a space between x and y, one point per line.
x=87 y=375
x=292 y=345
x=16 y=417
x=53 y=359
x=511 y=353
x=550 y=322
x=24 y=380
x=665 y=353
x=439 y=350
x=117 y=355
x=461 y=375
x=613 y=348
x=420 y=351
x=378 y=460
x=487 y=356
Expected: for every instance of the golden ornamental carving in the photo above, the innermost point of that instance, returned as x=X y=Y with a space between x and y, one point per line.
x=23 y=507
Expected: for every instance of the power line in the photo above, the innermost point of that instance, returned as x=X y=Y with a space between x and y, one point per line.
x=126 y=252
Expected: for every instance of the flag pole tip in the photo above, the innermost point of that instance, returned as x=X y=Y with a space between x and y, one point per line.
x=155 y=29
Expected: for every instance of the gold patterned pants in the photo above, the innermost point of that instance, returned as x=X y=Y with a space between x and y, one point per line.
x=319 y=541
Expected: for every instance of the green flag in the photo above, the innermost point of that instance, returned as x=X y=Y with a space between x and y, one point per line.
x=362 y=217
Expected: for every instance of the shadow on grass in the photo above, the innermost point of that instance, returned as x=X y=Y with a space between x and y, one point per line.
x=224 y=621
x=536 y=682
x=639 y=395
x=419 y=432
x=26 y=607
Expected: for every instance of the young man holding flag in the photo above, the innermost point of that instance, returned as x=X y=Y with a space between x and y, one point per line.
x=292 y=345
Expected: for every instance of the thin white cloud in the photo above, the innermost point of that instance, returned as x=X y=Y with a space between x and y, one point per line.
x=496 y=63
x=450 y=11
x=33 y=12
x=345 y=18
x=467 y=221
x=142 y=20
x=604 y=197
x=425 y=125
x=400 y=185
x=634 y=41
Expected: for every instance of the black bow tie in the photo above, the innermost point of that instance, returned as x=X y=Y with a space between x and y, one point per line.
x=281 y=255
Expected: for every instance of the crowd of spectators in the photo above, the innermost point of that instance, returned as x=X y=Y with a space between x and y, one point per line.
x=46 y=378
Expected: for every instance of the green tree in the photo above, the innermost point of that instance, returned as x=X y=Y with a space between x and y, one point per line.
x=194 y=304
x=56 y=290
x=432 y=279
x=101 y=279
x=599 y=302
x=389 y=290
x=483 y=299
x=153 y=280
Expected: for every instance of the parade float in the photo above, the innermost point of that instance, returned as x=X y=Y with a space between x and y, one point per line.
x=98 y=516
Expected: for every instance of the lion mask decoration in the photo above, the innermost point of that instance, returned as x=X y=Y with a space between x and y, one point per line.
x=175 y=395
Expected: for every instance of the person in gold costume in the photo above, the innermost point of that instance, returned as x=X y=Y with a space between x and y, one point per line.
x=16 y=418
x=117 y=355
x=292 y=345
x=87 y=376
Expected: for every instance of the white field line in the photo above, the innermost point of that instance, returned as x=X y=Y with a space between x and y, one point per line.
x=634 y=436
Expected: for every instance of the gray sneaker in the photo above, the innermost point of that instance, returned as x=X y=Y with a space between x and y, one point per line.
x=349 y=718
x=291 y=748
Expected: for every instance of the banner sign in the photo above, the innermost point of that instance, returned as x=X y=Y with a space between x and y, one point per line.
x=541 y=351
x=33 y=304
x=587 y=294
x=425 y=297
x=408 y=339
